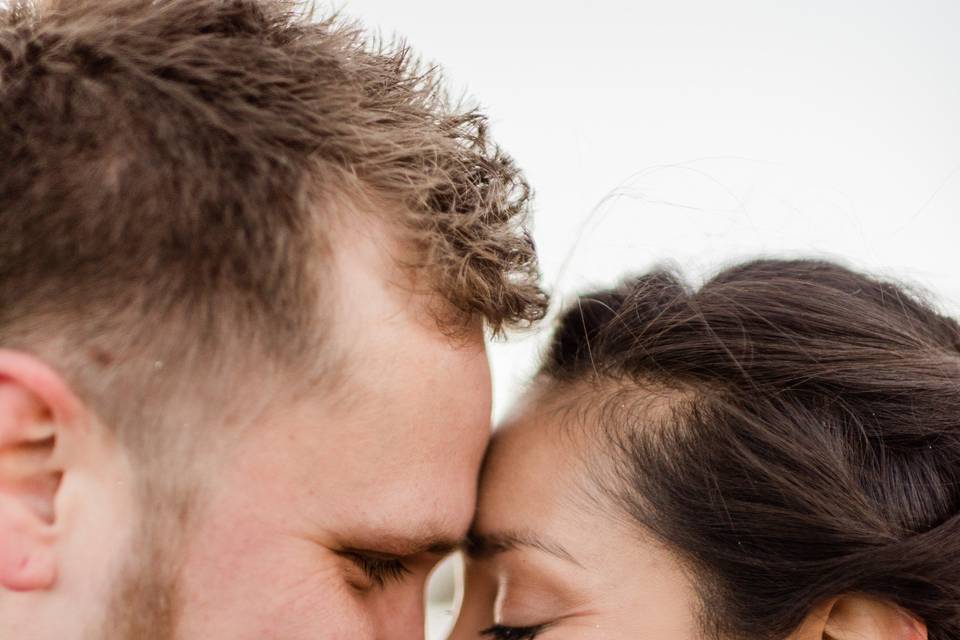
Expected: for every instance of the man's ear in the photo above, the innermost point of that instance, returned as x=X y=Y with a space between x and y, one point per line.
x=857 y=617
x=36 y=410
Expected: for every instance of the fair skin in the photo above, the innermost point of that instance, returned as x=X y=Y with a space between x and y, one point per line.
x=552 y=560
x=320 y=516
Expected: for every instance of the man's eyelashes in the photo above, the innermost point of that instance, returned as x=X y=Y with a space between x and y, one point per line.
x=500 y=632
x=380 y=571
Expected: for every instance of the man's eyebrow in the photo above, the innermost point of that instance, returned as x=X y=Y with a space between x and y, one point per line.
x=484 y=545
x=402 y=545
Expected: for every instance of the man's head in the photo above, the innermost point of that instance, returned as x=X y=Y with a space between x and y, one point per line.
x=246 y=260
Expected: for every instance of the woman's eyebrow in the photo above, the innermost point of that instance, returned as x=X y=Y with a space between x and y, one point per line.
x=484 y=545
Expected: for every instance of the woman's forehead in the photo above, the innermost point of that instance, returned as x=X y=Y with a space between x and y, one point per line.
x=534 y=473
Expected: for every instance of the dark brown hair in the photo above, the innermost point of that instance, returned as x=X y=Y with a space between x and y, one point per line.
x=173 y=169
x=811 y=444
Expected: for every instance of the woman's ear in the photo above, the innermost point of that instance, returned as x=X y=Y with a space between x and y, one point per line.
x=854 y=616
x=857 y=617
x=36 y=408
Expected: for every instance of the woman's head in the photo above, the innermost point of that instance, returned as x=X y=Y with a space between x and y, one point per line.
x=776 y=453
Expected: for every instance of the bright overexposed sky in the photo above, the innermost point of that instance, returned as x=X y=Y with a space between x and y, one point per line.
x=697 y=132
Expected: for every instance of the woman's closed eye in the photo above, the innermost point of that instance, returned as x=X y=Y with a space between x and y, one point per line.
x=500 y=632
x=379 y=570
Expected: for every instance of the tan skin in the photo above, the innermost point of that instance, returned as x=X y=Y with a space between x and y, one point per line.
x=549 y=561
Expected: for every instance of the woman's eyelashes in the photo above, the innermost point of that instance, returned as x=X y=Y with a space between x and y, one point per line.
x=379 y=570
x=500 y=632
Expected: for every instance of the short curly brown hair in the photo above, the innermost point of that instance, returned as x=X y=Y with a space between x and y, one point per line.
x=163 y=160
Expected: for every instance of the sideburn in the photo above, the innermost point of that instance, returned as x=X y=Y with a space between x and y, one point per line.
x=145 y=602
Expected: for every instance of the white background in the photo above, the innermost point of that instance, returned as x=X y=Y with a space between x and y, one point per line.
x=697 y=132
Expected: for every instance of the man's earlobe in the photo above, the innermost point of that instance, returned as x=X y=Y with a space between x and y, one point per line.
x=35 y=407
x=857 y=617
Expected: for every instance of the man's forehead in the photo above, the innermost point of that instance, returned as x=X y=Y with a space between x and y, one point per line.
x=403 y=506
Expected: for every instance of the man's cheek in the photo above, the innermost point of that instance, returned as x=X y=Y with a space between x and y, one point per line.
x=252 y=587
x=317 y=606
